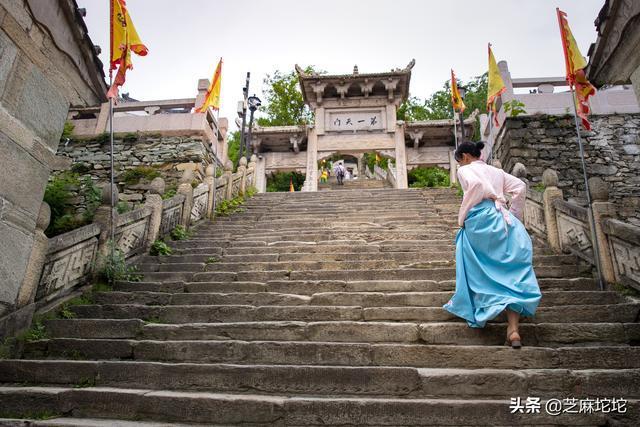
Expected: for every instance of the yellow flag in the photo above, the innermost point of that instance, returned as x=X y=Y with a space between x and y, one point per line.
x=496 y=86
x=124 y=40
x=575 y=64
x=212 y=99
x=456 y=99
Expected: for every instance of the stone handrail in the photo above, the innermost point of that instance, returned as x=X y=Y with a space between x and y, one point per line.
x=392 y=177
x=61 y=264
x=566 y=227
x=379 y=173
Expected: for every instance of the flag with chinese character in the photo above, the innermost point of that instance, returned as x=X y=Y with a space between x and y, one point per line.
x=575 y=64
x=456 y=99
x=124 y=40
x=212 y=98
x=496 y=86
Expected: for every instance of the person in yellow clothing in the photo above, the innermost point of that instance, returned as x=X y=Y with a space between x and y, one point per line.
x=324 y=176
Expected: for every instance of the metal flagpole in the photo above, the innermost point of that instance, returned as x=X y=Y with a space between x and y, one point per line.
x=592 y=223
x=490 y=156
x=112 y=222
x=455 y=126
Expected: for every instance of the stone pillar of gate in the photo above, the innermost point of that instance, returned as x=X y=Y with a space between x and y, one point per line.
x=401 y=157
x=311 y=181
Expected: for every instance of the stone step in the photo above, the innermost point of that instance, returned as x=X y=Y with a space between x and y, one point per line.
x=323 y=353
x=273 y=410
x=311 y=287
x=303 y=256
x=605 y=313
x=86 y=422
x=540 y=334
x=362 y=299
x=350 y=275
x=326 y=380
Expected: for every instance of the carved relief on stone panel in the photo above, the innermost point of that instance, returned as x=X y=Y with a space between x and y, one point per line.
x=575 y=237
x=199 y=209
x=235 y=187
x=626 y=259
x=220 y=194
x=67 y=268
x=534 y=217
x=131 y=238
x=170 y=219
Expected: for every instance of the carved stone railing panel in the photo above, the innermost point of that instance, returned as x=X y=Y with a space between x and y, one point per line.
x=235 y=185
x=624 y=246
x=573 y=230
x=220 y=193
x=250 y=176
x=534 y=213
x=131 y=232
x=200 y=202
x=171 y=214
x=379 y=172
x=69 y=261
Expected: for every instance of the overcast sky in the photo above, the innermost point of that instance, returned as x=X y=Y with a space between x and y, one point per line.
x=187 y=37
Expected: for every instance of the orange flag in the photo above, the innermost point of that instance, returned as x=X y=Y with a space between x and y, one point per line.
x=495 y=88
x=212 y=98
x=291 y=189
x=456 y=99
x=575 y=64
x=124 y=40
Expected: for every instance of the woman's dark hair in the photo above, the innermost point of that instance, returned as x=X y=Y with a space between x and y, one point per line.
x=473 y=148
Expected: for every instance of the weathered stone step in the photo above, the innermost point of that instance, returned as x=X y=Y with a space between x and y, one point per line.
x=340 y=353
x=350 y=275
x=303 y=256
x=311 y=287
x=326 y=380
x=86 y=422
x=541 y=334
x=362 y=299
x=259 y=410
x=605 y=313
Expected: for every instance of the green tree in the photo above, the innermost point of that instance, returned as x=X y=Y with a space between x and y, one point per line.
x=233 y=142
x=438 y=105
x=283 y=103
x=281 y=181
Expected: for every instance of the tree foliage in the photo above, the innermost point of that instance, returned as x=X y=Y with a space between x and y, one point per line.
x=283 y=103
x=280 y=181
x=233 y=142
x=428 y=177
x=438 y=105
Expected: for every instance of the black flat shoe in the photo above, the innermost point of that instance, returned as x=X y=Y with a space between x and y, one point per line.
x=513 y=343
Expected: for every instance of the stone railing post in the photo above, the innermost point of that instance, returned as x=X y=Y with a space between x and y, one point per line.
x=551 y=193
x=154 y=202
x=520 y=171
x=186 y=190
x=242 y=171
x=228 y=175
x=37 y=258
x=251 y=169
x=602 y=209
x=102 y=219
x=211 y=184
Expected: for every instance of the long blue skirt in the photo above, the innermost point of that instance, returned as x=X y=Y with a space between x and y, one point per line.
x=493 y=267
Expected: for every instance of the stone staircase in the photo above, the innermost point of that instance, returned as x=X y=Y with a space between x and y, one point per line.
x=312 y=309
x=354 y=184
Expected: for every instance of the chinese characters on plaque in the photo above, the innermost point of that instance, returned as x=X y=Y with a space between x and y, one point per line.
x=355 y=120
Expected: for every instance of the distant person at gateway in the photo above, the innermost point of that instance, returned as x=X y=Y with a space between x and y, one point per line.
x=494 y=271
x=340 y=172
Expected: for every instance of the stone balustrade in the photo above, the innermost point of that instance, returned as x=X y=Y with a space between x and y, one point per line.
x=566 y=227
x=67 y=261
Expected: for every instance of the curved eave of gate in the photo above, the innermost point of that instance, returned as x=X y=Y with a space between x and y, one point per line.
x=279 y=139
x=433 y=133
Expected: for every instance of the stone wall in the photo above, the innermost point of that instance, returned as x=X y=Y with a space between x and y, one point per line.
x=169 y=155
x=47 y=62
x=612 y=152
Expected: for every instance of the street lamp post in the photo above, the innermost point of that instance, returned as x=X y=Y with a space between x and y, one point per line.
x=254 y=103
x=245 y=93
x=462 y=91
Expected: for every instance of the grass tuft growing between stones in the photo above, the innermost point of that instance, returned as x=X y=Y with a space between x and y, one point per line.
x=626 y=290
x=180 y=233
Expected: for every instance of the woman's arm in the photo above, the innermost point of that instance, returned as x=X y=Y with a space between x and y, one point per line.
x=473 y=192
x=518 y=191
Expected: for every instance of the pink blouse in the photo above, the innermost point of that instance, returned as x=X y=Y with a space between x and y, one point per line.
x=480 y=181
